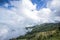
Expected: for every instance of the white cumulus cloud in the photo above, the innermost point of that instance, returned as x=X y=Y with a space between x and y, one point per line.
x=24 y=14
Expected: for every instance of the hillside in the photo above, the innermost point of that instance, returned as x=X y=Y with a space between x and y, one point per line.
x=46 y=31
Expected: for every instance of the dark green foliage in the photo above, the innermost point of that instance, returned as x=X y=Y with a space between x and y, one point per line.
x=52 y=31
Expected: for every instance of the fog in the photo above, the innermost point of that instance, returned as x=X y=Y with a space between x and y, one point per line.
x=16 y=15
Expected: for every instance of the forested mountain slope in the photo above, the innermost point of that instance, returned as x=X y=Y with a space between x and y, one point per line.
x=46 y=31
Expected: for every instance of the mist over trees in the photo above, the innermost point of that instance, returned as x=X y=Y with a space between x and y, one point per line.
x=46 y=31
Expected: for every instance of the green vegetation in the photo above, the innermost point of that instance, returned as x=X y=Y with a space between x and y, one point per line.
x=46 y=31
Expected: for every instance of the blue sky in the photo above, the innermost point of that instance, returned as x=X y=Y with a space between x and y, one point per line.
x=40 y=3
x=16 y=15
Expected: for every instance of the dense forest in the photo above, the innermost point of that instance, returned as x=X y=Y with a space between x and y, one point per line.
x=46 y=31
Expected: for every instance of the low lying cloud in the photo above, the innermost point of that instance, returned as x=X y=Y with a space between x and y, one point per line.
x=20 y=14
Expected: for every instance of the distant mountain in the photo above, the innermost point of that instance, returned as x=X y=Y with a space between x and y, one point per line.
x=46 y=31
